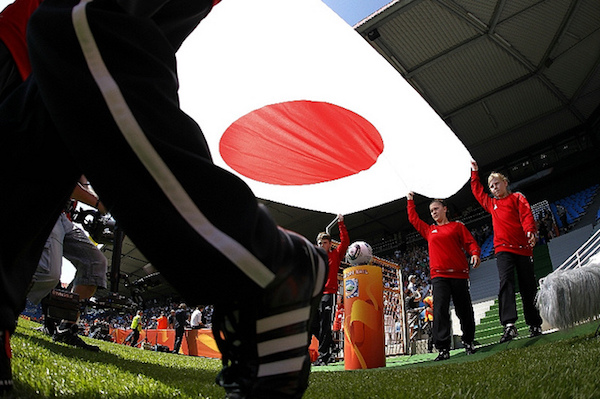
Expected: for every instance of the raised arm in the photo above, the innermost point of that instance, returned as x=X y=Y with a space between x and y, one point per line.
x=477 y=188
x=413 y=217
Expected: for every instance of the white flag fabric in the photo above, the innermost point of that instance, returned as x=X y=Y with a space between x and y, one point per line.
x=303 y=109
x=307 y=113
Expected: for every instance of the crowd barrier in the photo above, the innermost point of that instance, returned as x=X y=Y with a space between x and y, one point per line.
x=195 y=343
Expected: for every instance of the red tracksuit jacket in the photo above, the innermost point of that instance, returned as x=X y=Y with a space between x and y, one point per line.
x=447 y=244
x=511 y=219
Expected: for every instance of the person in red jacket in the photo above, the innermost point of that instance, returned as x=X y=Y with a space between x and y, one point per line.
x=449 y=271
x=321 y=327
x=515 y=235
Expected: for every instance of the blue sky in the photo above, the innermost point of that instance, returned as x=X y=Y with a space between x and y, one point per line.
x=353 y=11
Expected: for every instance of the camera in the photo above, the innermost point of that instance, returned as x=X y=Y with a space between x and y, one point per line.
x=62 y=304
x=100 y=227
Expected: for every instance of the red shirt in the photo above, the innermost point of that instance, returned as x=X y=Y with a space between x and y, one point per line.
x=162 y=323
x=13 y=24
x=335 y=259
x=511 y=219
x=447 y=246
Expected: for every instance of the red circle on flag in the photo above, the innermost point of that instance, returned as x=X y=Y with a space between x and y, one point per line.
x=300 y=142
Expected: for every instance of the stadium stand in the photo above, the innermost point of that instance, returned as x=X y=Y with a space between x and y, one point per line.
x=487 y=248
x=575 y=206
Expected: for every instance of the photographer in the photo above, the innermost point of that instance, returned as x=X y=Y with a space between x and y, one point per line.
x=71 y=242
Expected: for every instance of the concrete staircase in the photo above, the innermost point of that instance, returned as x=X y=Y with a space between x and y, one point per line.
x=489 y=330
x=480 y=309
x=484 y=294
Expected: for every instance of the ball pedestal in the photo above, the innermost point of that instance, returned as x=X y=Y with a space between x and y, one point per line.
x=364 y=339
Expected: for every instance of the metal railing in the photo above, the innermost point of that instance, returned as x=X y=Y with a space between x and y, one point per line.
x=583 y=254
x=571 y=293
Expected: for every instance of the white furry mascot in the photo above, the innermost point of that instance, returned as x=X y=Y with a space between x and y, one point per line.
x=567 y=297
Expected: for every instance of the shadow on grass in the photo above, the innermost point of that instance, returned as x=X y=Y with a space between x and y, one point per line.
x=187 y=376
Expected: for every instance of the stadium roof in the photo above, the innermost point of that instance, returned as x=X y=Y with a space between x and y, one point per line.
x=518 y=81
x=508 y=76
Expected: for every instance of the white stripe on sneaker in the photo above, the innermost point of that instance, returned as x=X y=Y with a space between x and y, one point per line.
x=282 y=344
x=282 y=319
x=281 y=367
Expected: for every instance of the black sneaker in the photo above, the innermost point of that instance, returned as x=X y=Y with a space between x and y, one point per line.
x=69 y=336
x=264 y=341
x=510 y=332
x=443 y=355
x=469 y=348
x=323 y=360
x=535 y=331
x=6 y=381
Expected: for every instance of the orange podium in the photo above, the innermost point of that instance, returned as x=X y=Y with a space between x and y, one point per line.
x=364 y=339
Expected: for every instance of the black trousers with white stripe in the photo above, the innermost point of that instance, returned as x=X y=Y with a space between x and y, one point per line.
x=103 y=102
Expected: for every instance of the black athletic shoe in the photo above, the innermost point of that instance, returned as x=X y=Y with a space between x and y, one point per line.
x=69 y=336
x=535 y=331
x=320 y=362
x=510 y=332
x=469 y=348
x=324 y=360
x=443 y=355
x=6 y=381
x=264 y=340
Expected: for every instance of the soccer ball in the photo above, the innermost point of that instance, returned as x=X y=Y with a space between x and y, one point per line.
x=359 y=253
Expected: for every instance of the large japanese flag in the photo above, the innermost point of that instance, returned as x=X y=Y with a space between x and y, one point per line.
x=297 y=104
